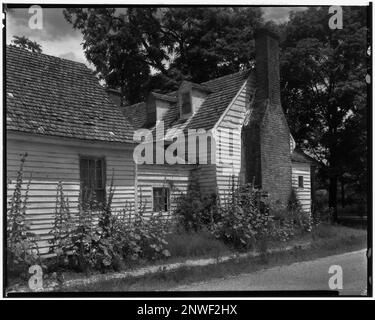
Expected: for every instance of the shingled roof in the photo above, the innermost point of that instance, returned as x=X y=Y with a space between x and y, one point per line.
x=222 y=89
x=299 y=156
x=58 y=97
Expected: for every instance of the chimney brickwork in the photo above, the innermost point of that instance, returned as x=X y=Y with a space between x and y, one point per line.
x=266 y=135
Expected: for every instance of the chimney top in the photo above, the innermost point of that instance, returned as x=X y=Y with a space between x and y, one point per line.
x=263 y=31
x=267 y=65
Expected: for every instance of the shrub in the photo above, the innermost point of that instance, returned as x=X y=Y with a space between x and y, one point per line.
x=138 y=237
x=289 y=220
x=195 y=212
x=93 y=246
x=102 y=239
x=189 y=207
x=22 y=246
x=241 y=221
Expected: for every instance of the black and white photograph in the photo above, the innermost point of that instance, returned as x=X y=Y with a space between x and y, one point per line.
x=184 y=150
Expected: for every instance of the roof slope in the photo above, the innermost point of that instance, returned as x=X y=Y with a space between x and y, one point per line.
x=58 y=97
x=223 y=90
x=299 y=156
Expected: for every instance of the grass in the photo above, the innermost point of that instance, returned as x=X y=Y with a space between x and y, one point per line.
x=195 y=244
x=325 y=240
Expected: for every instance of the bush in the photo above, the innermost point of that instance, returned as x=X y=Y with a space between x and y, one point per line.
x=195 y=212
x=107 y=241
x=22 y=246
x=289 y=220
x=95 y=239
x=190 y=207
x=137 y=237
x=241 y=221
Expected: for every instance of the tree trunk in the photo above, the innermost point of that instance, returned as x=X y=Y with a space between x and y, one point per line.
x=342 y=193
x=333 y=197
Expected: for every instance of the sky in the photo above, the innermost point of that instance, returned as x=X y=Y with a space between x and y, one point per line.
x=58 y=38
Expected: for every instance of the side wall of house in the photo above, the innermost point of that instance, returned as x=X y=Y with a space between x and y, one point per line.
x=174 y=177
x=52 y=160
x=229 y=143
x=303 y=194
x=206 y=176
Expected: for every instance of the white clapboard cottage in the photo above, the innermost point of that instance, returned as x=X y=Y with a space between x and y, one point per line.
x=72 y=132
x=242 y=114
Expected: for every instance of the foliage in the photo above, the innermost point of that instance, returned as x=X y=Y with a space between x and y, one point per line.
x=25 y=43
x=241 y=222
x=324 y=92
x=194 y=211
x=241 y=218
x=195 y=44
x=22 y=247
x=63 y=226
x=96 y=238
x=101 y=239
x=289 y=220
x=189 y=207
x=138 y=237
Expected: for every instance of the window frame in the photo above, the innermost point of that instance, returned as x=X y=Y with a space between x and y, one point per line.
x=168 y=197
x=103 y=177
x=301 y=183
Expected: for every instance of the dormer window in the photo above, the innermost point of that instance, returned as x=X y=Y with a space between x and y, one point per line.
x=186 y=103
x=190 y=97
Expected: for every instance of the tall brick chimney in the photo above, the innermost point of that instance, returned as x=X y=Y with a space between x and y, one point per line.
x=266 y=135
x=267 y=66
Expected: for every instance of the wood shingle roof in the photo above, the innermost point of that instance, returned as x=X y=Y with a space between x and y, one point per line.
x=58 y=97
x=222 y=89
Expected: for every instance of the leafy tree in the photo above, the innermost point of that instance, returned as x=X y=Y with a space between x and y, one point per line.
x=115 y=43
x=323 y=87
x=140 y=49
x=26 y=43
x=210 y=42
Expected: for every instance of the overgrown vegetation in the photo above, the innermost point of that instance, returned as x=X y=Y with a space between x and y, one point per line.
x=325 y=239
x=103 y=239
x=22 y=246
x=96 y=237
x=242 y=218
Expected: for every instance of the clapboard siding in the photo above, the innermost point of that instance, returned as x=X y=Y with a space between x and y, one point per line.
x=206 y=175
x=228 y=146
x=50 y=161
x=303 y=194
x=175 y=177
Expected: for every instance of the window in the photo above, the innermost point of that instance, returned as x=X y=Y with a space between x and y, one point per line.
x=92 y=178
x=186 y=103
x=300 y=181
x=161 y=199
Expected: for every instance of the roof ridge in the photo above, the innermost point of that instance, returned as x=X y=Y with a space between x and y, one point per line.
x=45 y=55
x=200 y=83
x=227 y=75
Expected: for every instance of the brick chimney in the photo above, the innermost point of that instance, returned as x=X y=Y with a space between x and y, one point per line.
x=267 y=65
x=266 y=134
